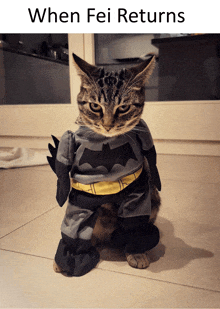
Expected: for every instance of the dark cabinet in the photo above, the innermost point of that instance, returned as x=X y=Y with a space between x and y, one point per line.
x=189 y=67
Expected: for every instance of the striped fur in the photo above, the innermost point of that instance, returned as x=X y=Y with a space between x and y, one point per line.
x=111 y=103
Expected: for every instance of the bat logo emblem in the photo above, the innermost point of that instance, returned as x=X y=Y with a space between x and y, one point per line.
x=108 y=157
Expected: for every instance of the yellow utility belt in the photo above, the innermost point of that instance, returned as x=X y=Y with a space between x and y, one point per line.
x=107 y=187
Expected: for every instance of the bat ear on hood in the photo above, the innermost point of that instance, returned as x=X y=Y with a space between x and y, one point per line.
x=86 y=71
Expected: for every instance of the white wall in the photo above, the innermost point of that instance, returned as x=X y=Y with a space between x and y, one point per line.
x=185 y=127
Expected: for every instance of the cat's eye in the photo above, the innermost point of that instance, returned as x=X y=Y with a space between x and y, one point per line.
x=96 y=108
x=123 y=108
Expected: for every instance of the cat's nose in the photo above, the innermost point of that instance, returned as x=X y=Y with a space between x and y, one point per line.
x=108 y=120
x=107 y=128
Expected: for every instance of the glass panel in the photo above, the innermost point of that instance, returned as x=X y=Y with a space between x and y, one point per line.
x=34 y=69
x=187 y=68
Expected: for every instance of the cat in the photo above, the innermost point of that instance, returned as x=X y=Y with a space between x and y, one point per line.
x=110 y=108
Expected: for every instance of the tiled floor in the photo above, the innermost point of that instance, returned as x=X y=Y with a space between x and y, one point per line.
x=185 y=268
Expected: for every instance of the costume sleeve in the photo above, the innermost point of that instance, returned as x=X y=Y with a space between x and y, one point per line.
x=63 y=165
x=151 y=157
x=149 y=152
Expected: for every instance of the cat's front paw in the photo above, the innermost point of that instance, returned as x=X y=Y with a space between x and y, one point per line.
x=138 y=260
x=57 y=268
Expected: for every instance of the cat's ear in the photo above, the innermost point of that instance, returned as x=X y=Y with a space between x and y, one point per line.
x=139 y=74
x=86 y=71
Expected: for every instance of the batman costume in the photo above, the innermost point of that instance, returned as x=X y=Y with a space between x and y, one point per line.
x=92 y=170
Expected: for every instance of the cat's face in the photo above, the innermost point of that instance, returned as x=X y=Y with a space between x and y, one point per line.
x=111 y=104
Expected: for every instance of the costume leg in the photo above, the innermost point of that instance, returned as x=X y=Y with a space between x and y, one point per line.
x=75 y=254
x=136 y=233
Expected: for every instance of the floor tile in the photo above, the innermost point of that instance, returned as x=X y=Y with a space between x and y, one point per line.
x=29 y=282
x=40 y=237
x=185 y=268
x=189 y=251
x=187 y=254
x=25 y=194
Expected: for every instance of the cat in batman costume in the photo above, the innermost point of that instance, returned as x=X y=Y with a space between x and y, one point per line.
x=95 y=169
